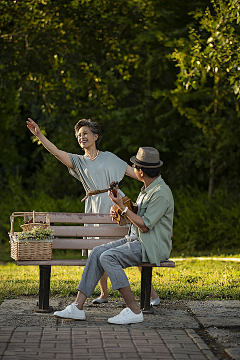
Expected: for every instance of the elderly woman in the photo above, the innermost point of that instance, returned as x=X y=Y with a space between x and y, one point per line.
x=95 y=169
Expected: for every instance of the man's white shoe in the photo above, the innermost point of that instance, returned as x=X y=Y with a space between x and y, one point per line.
x=71 y=312
x=126 y=316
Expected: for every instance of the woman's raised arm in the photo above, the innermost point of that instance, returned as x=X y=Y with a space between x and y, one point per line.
x=130 y=172
x=59 y=154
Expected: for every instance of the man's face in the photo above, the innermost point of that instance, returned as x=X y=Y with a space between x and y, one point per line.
x=138 y=172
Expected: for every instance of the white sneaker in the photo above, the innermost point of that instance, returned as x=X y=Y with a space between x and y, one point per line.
x=71 y=312
x=126 y=316
x=155 y=302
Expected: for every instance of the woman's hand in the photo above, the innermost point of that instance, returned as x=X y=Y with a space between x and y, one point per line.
x=59 y=154
x=33 y=127
x=116 y=199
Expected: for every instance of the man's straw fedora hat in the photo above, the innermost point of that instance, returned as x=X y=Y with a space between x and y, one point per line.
x=147 y=157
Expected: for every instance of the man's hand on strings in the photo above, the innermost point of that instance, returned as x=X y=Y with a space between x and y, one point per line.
x=113 y=213
x=116 y=199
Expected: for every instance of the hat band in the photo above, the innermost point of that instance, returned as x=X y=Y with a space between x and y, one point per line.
x=146 y=164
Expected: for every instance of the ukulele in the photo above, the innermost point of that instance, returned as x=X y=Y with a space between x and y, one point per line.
x=122 y=219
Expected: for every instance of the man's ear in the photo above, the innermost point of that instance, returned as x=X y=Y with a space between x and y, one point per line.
x=141 y=173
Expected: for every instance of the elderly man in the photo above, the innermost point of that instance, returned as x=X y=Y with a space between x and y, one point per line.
x=149 y=240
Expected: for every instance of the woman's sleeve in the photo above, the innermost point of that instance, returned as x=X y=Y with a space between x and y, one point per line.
x=77 y=172
x=119 y=168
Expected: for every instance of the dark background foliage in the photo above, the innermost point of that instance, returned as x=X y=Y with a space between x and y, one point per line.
x=124 y=64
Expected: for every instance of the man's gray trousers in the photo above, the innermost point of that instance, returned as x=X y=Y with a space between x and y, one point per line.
x=110 y=258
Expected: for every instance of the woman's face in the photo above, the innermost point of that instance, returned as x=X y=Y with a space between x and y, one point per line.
x=85 y=137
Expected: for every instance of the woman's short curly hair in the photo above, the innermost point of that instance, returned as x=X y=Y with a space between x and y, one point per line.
x=93 y=126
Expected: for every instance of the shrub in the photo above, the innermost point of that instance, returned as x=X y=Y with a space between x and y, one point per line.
x=202 y=224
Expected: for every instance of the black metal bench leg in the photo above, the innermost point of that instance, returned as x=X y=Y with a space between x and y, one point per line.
x=44 y=289
x=146 y=280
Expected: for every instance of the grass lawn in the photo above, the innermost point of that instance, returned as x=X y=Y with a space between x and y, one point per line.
x=191 y=279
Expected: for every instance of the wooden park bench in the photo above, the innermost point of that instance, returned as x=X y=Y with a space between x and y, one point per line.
x=69 y=233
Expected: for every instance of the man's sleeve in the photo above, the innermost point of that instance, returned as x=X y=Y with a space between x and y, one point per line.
x=155 y=209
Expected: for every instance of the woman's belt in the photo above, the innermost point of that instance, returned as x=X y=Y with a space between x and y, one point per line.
x=95 y=192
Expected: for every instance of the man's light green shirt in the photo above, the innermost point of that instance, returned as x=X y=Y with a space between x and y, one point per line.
x=156 y=209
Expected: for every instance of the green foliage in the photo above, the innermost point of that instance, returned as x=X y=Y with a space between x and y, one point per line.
x=208 y=83
x=36 y=233
x=61 y=61
x=205 y=225
x=113 y=62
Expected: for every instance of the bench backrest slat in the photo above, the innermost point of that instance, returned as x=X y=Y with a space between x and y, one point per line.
x=77 y=244
x=76 y=218
x=91 y=231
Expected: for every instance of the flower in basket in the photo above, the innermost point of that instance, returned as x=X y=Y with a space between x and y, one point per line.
x=36 y=234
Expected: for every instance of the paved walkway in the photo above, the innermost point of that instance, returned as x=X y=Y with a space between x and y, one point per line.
x=100 y=343
x=180 y=330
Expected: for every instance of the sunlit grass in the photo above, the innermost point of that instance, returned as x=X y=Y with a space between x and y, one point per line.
x=191 y=279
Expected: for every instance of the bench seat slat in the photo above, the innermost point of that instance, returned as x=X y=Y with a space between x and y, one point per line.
x=81 y=263
x=118 y=231
x=77 y=244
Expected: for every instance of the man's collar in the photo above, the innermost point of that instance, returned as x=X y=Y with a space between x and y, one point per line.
x=154 y=183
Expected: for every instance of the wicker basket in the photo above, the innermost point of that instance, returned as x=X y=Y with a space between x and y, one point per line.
x=29 y=227
x=30 y=250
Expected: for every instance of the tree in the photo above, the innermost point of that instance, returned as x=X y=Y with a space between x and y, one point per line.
x=208 y=89
x=61 y=61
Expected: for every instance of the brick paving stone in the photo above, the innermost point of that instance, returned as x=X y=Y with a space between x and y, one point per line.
x=185 y=351
x=119 y=355
x=143 y=335
x=83 y=351
x=156 y=349
x=28 y=328
x=24 y=341
x=197 y=357
x=19 y=348
x=114 y=336
x=148 y=342
x=86 y=346
x=114 y=328
x=183 y=357
x=129 y=356
x=4 y=337
x=46 y=355
x=22 y=357
x=118 y=343
x=19 y=353
x=96 y=351
x=89 y=357
x=88 y=351
x=125 y=349
x=64 y=356
x=157 y=357
x=85 y=342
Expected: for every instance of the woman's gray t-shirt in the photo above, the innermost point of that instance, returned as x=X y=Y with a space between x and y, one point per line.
x=98 y=175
